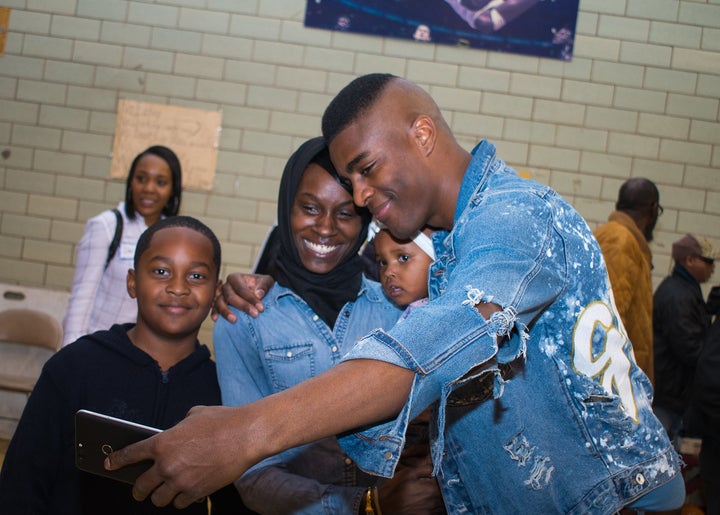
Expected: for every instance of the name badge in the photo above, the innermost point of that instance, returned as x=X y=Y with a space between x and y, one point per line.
x=127 y=249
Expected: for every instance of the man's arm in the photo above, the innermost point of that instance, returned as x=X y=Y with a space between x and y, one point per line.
x=688 y=333
x=215 y=445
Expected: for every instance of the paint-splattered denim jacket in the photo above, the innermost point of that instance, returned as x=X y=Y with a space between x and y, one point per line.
x=556 y=417
x=288 y=344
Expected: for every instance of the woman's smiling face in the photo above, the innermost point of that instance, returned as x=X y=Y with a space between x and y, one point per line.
x=151 y=187
x=324 y=222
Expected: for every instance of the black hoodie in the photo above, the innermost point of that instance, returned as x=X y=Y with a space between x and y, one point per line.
x=106 y=373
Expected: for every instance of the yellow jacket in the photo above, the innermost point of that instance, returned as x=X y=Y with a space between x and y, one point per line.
x=629 y=263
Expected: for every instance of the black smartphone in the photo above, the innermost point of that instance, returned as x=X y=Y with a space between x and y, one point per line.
x=97 y=435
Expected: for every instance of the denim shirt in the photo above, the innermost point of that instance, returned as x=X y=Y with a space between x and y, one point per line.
x=542 y=408
x=285 y=345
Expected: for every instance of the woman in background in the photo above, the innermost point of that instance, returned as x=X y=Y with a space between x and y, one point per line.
x=99 y=296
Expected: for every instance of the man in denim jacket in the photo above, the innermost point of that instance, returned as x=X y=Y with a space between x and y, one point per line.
x=537 y=403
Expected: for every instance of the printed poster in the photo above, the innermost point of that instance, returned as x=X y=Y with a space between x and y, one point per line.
x=543 y=28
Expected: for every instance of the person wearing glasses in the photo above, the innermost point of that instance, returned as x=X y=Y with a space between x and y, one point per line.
x=681 y=326
x=624 y=242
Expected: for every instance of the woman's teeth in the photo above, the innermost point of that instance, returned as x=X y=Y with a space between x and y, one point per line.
x=320 y=249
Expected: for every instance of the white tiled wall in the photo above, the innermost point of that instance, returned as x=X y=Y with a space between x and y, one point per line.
x=640 y=98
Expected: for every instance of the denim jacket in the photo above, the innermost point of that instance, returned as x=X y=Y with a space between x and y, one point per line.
x=542 y=408
x=285 y=345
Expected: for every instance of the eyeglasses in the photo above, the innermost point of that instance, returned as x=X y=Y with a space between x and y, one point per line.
x=709 y=261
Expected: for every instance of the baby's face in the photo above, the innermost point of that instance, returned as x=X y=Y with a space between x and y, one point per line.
x=403 y=268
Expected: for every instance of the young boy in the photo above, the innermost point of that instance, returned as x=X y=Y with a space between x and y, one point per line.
x=151 y=373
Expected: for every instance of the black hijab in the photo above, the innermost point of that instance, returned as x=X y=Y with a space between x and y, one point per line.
x=326 y=293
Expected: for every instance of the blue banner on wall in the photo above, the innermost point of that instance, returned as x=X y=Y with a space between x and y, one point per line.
x=544 y=28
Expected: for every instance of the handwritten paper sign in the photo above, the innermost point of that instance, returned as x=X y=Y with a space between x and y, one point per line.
x=193 y=135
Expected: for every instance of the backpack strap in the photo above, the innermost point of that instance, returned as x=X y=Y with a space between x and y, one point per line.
x=116 y=238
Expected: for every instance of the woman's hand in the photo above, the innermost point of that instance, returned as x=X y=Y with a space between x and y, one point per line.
x=412 y=489
x=244 y=292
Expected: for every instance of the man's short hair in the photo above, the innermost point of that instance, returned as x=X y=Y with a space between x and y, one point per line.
x=351 y=102
x=179 y=221
x=636 y=194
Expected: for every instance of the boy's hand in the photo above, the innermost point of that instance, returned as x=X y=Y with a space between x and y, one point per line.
x=242 y=291
x=191 y=460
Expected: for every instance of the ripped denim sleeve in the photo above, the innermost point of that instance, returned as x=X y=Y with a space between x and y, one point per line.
x=467 y=367
x=487 y=380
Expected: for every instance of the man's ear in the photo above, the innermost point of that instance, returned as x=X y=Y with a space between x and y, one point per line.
x=424 y=134
x=131 y=283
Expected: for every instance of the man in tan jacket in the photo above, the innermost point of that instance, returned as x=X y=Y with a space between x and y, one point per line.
x=624 y=242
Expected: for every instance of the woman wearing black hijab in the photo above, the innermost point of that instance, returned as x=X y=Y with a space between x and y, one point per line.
x=326 y=278
x=319 y=307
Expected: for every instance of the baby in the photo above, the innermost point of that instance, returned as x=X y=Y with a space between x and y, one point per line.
x=403 y=266
x=403 y=270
